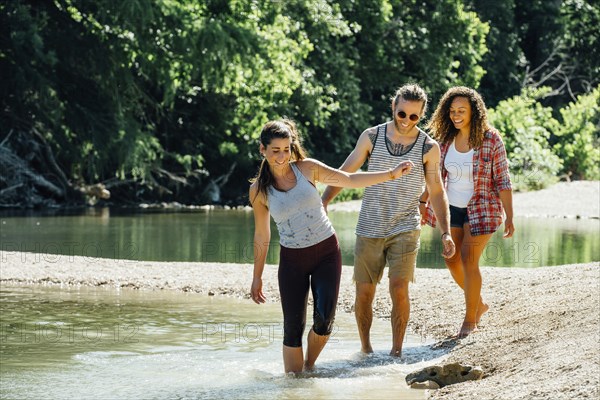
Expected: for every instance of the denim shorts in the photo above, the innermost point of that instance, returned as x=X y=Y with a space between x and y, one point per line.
x=458 y=217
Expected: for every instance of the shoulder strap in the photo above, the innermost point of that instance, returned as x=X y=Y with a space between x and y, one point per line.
x=380 y=131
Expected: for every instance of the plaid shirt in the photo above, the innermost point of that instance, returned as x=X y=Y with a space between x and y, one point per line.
x=490 y=173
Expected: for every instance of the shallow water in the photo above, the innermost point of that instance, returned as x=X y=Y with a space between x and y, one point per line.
x=226 y=236
x=107 y=343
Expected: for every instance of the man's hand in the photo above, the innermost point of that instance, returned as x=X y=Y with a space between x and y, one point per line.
x=403 y=168
x=423 y=211
x=449 y=246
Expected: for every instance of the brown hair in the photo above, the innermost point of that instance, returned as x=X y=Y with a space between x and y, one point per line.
x=279 y=129
x=411 y=92
x=441 y=125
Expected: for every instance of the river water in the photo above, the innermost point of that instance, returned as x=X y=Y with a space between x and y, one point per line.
x=226 y=236
x=100 y=343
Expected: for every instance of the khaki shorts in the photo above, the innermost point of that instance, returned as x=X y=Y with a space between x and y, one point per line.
x=398 y=252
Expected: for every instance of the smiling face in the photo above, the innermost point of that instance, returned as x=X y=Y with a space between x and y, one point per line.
x=406 y=115
x=278 y=152
x=460 y=113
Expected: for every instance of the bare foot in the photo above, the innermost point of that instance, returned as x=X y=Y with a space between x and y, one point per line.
x=367 y=350
x=396 y=353
x=482 y=309
x=466 y=329
x=308 y=367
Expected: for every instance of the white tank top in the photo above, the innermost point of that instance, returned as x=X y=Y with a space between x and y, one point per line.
x=299 y=214
x=460 y=176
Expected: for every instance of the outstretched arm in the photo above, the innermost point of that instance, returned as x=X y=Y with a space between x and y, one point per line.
x=437 y=196
x=262 y=236
x=316 y=171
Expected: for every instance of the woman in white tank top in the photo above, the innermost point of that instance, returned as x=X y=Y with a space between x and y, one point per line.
x=475 y=169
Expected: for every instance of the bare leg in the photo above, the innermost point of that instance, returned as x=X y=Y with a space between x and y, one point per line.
x=363 y=311
x=400 y=313
x=313 y=349
x=293 y=360
x=455 y=266
x=471 y=250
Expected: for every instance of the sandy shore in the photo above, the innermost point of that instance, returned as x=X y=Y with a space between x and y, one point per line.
x=540 y=339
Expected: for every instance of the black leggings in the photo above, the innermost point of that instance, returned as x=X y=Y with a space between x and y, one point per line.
x=318 y=267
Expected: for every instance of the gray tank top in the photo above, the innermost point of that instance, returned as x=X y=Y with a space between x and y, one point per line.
x=299 y=214
x=392 y=207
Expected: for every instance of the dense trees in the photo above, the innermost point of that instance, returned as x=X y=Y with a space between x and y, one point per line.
x=162 y=100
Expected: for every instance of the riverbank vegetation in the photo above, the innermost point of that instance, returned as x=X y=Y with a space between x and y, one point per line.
x=162 y=100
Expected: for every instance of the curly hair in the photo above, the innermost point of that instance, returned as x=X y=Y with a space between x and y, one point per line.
x=441 y=125
x=279 y=129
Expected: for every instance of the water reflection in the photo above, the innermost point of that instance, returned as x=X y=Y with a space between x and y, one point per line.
x=106 y=343
x=226 y=236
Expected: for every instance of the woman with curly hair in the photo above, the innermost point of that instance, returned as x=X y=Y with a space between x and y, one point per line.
x=310 y=257
x=475 y=172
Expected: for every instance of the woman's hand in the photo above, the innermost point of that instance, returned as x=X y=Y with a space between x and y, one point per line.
x=509 y=228
x=423 y=211
x=256 y=291
x=402 y=169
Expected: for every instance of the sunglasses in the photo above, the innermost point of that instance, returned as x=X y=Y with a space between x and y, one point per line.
x=412 y=117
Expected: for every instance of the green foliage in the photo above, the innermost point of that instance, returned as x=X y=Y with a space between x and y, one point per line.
x=435 y=43
x=143 y=155
x=502 y=62
x=535 y=43
x=345 y=194
x=578 y=137
x=539 y=27
x=172 y=93
x=328 y=105
x=581 y=43
x=526 y=127
x=349 y=194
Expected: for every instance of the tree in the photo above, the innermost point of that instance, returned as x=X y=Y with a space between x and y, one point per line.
x=503 y=61
x=578 y=137
x=163 y=100
x=581 y=42
x=526 y=126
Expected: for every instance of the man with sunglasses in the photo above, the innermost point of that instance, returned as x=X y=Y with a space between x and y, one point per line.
x=389 y=228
